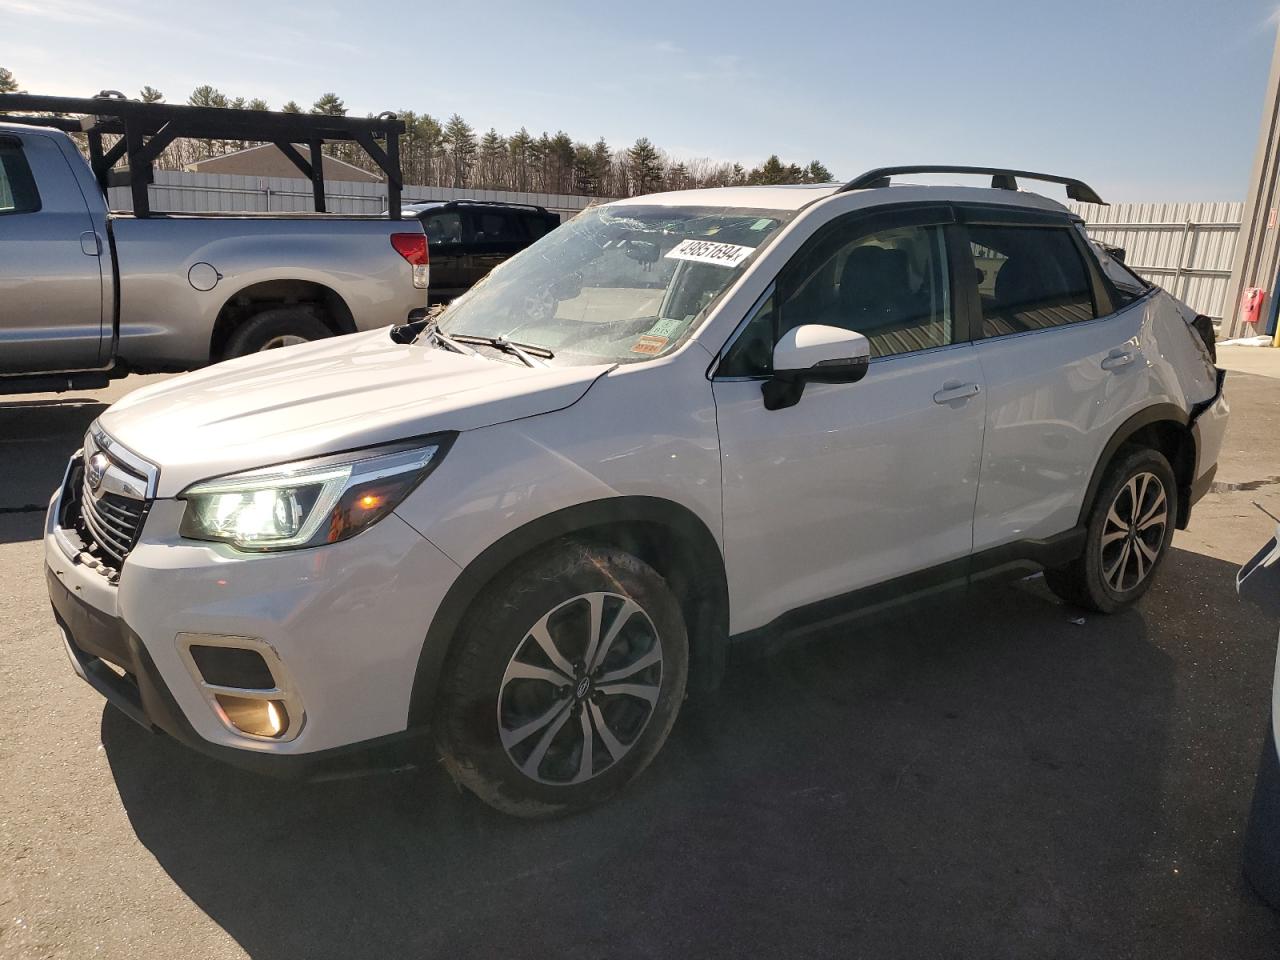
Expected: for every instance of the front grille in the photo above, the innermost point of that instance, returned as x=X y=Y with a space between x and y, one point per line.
x=112 y=522
x=104 y=502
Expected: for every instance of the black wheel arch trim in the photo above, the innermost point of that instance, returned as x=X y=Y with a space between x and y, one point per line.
x=707 y=599
x=1156 y=413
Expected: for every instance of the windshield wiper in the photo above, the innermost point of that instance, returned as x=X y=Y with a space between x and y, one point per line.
x=526 y=353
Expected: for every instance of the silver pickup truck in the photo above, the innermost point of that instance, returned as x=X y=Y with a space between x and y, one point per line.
x=86 y=294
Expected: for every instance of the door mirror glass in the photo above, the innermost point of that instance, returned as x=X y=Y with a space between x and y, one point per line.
x=814 y=352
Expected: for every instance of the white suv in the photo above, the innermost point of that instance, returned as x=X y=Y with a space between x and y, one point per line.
x=678 y=423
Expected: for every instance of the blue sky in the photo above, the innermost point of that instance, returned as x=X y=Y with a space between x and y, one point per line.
x=1146 y=101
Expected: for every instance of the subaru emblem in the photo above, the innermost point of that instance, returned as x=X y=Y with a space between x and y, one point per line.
x=95 y=470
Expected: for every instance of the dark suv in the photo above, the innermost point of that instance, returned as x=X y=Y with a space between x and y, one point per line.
x=468 y=238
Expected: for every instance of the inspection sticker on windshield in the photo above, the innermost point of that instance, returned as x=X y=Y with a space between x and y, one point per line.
x=650 y=345
x=705 y=251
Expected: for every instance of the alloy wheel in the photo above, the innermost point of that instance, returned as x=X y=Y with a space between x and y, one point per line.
x=1133 y=532
x=580 y=688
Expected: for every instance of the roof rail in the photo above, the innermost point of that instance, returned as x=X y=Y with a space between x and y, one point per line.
x=495 y=203
x=1001 y=179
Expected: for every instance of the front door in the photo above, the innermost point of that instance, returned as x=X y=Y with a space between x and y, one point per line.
x=856 y=484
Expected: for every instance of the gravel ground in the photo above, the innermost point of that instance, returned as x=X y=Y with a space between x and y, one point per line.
x=987 y=775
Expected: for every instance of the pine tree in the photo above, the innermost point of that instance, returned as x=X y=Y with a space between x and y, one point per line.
x=460 y=138
x=291 y=107
x=257 y=103
x=330 y=104
x=817 y=173
x=519 y=148
x=150 y=94
x=207 y=96
x=493 y=148
x=8 y=82
x=644 y=167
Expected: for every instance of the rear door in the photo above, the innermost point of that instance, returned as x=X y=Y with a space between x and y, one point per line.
x=447 y=252
x=51 y=310
x=496 y=235
x=1063 y=369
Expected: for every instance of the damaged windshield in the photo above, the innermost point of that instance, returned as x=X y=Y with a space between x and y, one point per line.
x=616 y=284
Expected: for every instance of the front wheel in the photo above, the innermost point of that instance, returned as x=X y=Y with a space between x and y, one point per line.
x=1127 y=536
x=565 y=683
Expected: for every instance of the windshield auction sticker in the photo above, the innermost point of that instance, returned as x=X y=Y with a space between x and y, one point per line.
x=705 y=251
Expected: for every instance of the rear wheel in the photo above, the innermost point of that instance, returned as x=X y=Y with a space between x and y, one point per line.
x=566 y=681
x=1128 y=534
x=275 y=328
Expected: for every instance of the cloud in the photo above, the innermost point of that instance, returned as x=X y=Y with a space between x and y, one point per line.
x=666 y=46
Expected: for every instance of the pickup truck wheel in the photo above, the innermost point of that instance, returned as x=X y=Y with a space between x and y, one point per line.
x=565 y=682
x=275 y=328
x=1128 y=534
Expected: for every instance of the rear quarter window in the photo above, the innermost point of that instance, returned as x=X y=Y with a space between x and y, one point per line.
x=18 y=192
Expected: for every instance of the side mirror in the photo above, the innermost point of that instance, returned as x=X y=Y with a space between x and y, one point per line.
x=817 y=353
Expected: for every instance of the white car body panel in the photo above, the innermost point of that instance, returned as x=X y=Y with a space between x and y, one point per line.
x=495 y=480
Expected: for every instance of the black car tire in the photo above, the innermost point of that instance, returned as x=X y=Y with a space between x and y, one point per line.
x=1085 y=581
x=497 y=636
x=266 y=329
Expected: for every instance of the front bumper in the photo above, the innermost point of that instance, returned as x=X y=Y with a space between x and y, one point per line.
x=95 y=641
x=347 y=620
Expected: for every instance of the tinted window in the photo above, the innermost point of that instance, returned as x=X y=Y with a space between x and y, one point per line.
x=1029 y=278
x=493 y=225
x=17 y=186
x=443 y=227
x=537 y=225
x=888 y=284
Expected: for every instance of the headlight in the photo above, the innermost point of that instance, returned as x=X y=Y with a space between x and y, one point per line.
x=308 y=503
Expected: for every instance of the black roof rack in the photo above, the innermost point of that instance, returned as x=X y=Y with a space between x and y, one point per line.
x=1001 y=179
x=145 y=129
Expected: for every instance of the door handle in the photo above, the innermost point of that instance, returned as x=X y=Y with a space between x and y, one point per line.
x=90 y=244
x=953 y=390
x=1117 y=359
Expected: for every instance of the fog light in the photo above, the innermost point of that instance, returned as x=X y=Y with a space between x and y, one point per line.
x=258 y=718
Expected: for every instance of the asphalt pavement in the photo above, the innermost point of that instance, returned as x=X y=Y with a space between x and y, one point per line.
x=987 y=775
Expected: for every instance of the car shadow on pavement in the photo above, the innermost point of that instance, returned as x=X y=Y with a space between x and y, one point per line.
x=37 y=437
x=988 y=774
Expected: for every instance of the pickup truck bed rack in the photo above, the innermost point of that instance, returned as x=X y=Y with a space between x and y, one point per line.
x=145 y=129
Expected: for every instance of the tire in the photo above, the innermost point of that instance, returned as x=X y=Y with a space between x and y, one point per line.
x=513 y=717
x=1119 y=560
x=277 y=327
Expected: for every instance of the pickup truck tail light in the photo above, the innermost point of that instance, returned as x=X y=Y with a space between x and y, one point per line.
x=413 y=247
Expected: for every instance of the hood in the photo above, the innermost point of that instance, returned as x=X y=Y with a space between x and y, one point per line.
x=324 y=397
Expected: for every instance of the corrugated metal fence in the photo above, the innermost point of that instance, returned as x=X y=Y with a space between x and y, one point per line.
x=1187 y=248
x=179 y=191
